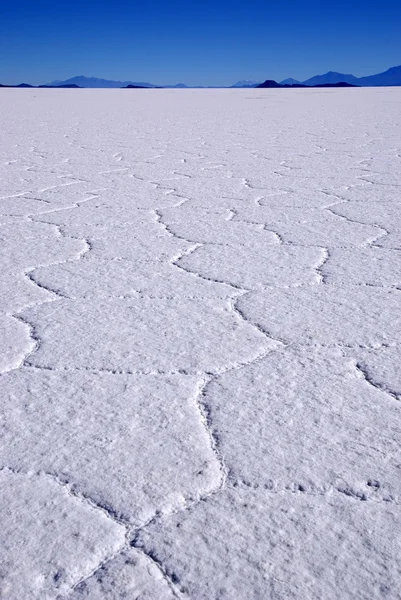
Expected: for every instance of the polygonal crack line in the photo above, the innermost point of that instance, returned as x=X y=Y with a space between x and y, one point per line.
x=319 y=267
x=279 y=342
x=297 y=488
x=239 y=292
x=77 y=204
x=202 y=405
x=366 y=180
x=282 y=344
x=369 y=242
x=128 y=544
x=269 y=228
x=195 y=244
x=28 y=274
x=363 y=372
x=205 y=418
x=112 y=515
x=89 y=502
x=234 y=216
x=131 y=534
x=61 y=233
x=279 y=237
x=203 y=409
x=31 y=216
x=190 y=503
x=33 y=335
x=138 y=294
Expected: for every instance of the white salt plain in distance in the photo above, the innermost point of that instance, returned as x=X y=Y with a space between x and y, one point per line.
x=200 y=349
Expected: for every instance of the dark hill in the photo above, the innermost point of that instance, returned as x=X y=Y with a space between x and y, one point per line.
x=26 y=85
x=271 y=84
x=64 y=85
x=334 y=85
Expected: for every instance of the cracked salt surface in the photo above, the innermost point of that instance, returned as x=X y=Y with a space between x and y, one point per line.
x=200 y=344
x=50 y=539
x=118 y=423
x=253 y=544
x=316 y=315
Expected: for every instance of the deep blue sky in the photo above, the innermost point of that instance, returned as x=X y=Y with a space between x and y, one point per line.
x=206 y=43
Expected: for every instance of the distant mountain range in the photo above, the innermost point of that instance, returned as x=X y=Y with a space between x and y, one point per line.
x=391 y=77
x=95 y=82
x=388 y=78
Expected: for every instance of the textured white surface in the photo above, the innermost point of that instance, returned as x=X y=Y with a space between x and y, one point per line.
x=200 y=349
x=51 y=539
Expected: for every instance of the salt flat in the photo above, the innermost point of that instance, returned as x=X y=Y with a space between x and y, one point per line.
x=200 y=351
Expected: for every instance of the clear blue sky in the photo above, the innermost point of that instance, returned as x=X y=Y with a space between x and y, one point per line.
x=205 y=43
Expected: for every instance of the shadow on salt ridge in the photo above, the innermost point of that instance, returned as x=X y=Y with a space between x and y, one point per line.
x=380 y=367
x=17 y=292
x=15 y=344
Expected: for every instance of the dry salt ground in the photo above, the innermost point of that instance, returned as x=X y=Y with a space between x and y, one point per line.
x=200 y=349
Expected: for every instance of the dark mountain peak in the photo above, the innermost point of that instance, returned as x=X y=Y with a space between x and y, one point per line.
x=269 y=83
